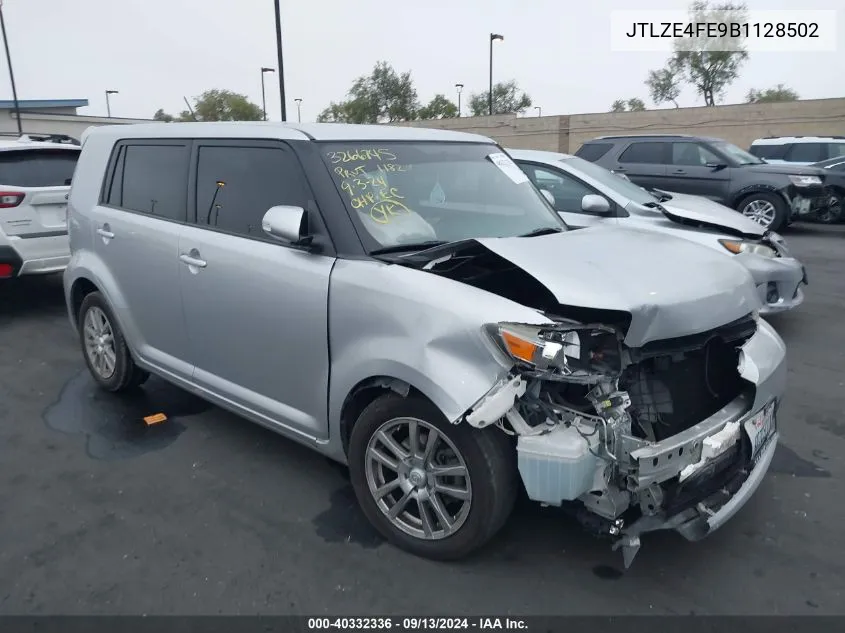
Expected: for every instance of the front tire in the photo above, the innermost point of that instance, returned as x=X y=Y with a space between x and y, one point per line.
x=432 y=488
x=767 y=209
x=104 y=347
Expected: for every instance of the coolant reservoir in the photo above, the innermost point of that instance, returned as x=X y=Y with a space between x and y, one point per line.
x=557 y=466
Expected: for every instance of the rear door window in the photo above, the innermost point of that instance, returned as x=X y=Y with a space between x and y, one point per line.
x=806 y=153
x=644 y=152
x=37 y=167
x=769 y=152
x=151 y=178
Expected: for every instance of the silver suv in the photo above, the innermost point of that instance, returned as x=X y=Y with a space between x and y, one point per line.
x=406 y=302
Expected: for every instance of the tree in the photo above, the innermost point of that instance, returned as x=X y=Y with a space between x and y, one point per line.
x=507 y=99
x=664 y=84
x=633 y=104
x=382 y=96
x=710 y=65
x=771 y=95
x=224 y=105
x=438 y=108
x=216 y=105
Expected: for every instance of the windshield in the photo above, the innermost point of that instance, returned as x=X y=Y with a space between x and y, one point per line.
x=739 y=155
x=427 y=193
x=610 y=180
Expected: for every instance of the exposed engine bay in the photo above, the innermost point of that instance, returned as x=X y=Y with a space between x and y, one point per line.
x=601 y=428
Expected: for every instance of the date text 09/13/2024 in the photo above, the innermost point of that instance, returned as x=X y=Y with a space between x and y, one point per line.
x=417 y=624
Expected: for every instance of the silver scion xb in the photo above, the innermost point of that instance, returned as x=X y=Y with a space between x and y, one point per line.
x=406 y=302
x=587 y=194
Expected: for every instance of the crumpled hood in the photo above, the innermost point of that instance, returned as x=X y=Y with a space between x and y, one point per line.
x=702 y=210
x=670 y=286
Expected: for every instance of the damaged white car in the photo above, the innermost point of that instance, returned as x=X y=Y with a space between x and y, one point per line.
x=408 y=303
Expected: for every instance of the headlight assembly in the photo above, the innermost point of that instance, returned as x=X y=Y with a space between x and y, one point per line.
x=740 y=246
x=572 y=352
x=805 y=181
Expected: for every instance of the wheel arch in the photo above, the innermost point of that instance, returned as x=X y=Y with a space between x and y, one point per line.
x=364 y=393
x=752 y=189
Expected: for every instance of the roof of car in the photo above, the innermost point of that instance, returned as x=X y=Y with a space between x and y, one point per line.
x=285 y=131
x=779 y=140
x=537 y=155
x=662 y=137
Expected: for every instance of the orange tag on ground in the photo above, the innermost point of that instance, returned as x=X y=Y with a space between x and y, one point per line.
x=158 y=418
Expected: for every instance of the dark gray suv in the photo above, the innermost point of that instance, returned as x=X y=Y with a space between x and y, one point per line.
x=772 y=195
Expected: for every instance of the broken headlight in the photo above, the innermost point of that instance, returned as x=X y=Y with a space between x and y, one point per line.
x=576 y=353
x=740 y=246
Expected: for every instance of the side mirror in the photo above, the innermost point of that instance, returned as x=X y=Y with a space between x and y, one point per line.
x=548 y=196
x=591 y=203
x=287 y=224
x=716 y=166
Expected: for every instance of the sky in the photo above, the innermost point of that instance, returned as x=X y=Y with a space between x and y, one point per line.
x=155 y=52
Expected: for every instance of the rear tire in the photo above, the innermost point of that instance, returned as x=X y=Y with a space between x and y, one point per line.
x=767 y=209
x=453 y=527
x=104 y=347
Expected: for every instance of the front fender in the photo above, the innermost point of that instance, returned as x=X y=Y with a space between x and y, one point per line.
x=396 y=322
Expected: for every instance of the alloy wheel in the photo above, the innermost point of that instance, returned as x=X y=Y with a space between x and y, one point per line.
x=418 y=478
x=99 y=343
x=761 y=211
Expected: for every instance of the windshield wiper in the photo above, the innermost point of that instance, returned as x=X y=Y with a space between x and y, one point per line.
x=546 y=230
x=410 y=246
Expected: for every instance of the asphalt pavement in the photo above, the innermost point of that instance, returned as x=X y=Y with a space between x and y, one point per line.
x=209 y=514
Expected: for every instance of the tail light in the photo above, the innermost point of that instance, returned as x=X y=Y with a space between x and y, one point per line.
x=9 y=199
x=6 y=271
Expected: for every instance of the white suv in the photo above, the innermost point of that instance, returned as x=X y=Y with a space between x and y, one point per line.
x=798 y=150
x=34 y=184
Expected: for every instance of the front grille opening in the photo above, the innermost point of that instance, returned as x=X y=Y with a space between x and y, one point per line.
x=672 y=392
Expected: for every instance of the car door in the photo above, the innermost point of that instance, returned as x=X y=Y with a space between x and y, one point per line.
x=644 y=162
x=256 y=308
x=568 y=193
x=138 y=223
x=693 y=170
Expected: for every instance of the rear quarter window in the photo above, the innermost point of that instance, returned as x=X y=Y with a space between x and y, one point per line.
x=37 y=167
x=593 y=151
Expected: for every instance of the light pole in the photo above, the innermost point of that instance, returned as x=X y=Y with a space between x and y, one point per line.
x=539 y=110
x=493 y=38
x=108 y=104
x=298 y=110
x=459 y=87
x=263 y=97
x=11 y=73
x=281 y=60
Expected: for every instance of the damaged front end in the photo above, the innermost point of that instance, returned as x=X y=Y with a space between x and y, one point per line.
x=675 y=434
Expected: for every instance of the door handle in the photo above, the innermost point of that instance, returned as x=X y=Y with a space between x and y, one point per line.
x=680 y=171
x=619 y=169
x=193 y=261
x=104 y=232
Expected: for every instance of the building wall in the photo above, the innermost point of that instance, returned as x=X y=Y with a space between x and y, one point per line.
x=51 y=123
x=739 y=124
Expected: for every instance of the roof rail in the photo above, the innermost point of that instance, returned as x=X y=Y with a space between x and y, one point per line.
x=43 y=137
x=644 y=136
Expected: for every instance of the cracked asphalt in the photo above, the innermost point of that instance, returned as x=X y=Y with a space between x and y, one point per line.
x=208 y=514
